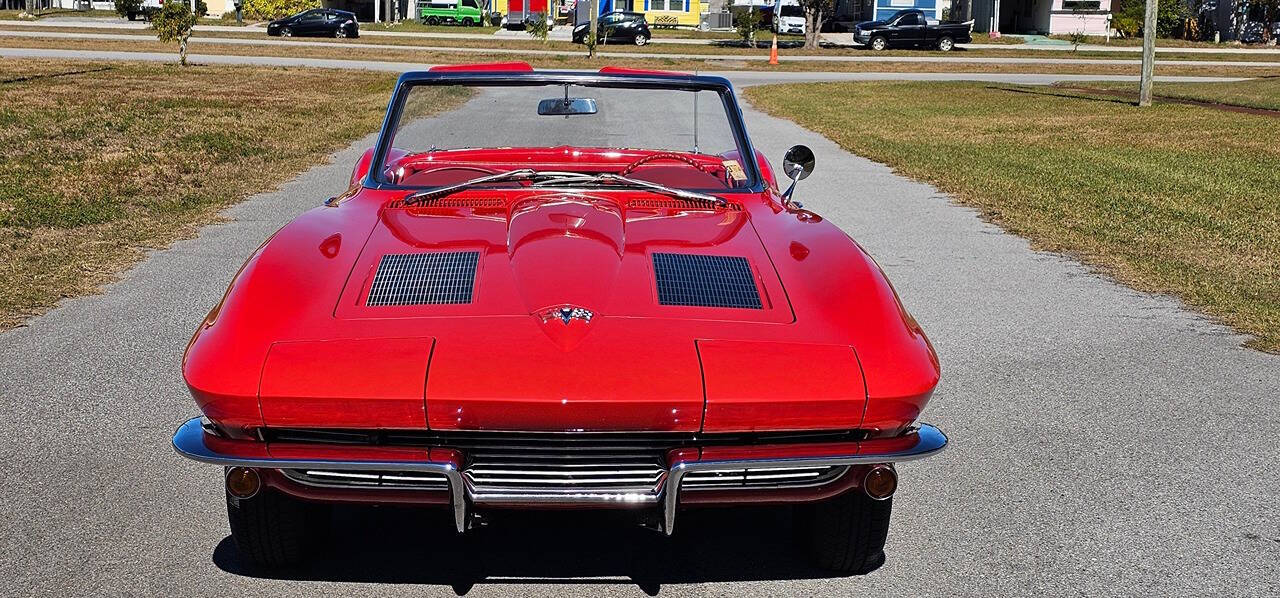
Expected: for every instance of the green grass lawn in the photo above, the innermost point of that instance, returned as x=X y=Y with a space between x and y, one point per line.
x=1175 y=198
x=1163 y=42
x=1004 y=40
x=1257 y=93
x=104 y=160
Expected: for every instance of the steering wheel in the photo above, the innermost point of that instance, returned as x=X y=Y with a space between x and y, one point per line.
x=663 y=156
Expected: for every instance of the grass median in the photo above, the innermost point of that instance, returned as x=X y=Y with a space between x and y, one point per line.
x=103 y=161
x=356 y=52
x=726 y=48
x=1176 y=198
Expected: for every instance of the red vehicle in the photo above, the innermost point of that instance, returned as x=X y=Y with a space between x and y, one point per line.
x=520 y=12
x=629 y=315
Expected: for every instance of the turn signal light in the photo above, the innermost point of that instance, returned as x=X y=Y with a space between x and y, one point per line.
x=243 y=482
x=880 y=482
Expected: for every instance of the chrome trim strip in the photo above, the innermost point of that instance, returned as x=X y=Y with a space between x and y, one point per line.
x=929 y=440
x=188 y=441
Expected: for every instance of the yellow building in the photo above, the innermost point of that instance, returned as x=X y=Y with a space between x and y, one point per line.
x=686 y=13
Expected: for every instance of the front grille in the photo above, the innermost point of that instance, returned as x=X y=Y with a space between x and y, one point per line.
x=424 y=278
x=763 y=477
x=601 y=467
x=705 y=281
x=410 y=480
x=605 y=464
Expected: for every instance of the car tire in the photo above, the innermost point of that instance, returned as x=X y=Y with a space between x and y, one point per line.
x=133 y=16
x=432 y=21
x=946 y=44
x=878 y=43
x=467 y=22
x=270 y=530
x=286 y=32
x=846 y=533
x=340 y=32
x=641 y=39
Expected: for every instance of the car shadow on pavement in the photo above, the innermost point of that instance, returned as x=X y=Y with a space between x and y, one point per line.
x=396 y=545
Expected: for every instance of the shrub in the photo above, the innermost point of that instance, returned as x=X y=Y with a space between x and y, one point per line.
x=538 y=28
x=746 y=21
x=1171 y=17
x=274 y=9
x=1077 y=38
x=173 y=22
x=124 y=7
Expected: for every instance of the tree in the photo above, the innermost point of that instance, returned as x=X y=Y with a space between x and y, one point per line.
x=538 y=28
x=1268 y=11
x=174 y=22
x=746 y=21
x=816 y=12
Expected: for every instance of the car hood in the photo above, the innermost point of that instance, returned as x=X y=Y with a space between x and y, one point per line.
x=870 y=24
x=546 y=314
x=548 y=250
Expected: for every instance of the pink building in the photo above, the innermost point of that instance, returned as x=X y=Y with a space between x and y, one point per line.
x=1042 y=16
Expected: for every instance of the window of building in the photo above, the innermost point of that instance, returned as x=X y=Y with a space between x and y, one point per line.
x=676 y=5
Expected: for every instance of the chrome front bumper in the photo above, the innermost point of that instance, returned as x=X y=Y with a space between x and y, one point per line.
x=193 y=442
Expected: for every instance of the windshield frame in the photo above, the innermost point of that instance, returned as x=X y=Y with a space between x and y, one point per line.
x=677 y=82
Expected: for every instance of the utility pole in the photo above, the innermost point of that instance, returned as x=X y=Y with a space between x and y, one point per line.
x=1148 y=53
x=595 y=14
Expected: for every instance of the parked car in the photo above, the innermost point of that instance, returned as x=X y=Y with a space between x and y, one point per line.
x=788 y=17
x=910 y=29
x=606 y=302
x=321 y=22
x=462 y=12
x=616 y=26
x=146 y=10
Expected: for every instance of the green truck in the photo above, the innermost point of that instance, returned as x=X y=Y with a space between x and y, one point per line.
x=464 y=12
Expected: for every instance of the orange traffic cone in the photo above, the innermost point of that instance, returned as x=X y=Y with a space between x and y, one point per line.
x=773 y=50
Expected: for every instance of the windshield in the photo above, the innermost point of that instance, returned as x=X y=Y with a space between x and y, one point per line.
x=677 y=138
x=792 y=10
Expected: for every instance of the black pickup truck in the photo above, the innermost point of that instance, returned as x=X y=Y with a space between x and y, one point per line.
x=909 y=28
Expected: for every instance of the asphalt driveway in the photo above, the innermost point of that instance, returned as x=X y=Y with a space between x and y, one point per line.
x=1104 y=441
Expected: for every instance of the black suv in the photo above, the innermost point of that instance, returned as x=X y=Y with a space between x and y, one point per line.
x=619 y=26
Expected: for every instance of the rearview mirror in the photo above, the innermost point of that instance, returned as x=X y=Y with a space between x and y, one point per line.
x=566 y=106
x=797 y=164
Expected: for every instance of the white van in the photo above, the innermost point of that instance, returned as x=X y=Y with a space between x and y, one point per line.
x=788 y=17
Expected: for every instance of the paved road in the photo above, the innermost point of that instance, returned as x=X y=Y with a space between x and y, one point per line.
x=743 y=77
x=753 y=57
x=842 y=39
x=1104 y=441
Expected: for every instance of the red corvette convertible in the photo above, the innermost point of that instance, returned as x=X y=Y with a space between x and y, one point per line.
x=561 y=290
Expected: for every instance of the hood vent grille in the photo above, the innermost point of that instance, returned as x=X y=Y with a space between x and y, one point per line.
x=454 y=202
x=424 y=278
x=680 y=204
x=705 y=281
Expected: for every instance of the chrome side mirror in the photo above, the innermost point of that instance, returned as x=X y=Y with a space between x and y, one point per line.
x=797 y=165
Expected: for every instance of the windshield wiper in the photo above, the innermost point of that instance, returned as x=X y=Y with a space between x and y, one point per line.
x=637 y=183
x=521 y=174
